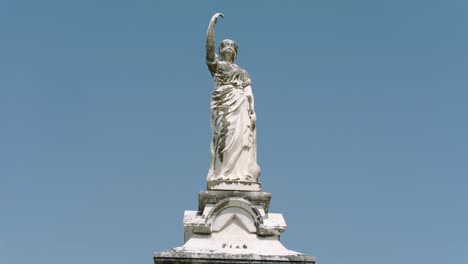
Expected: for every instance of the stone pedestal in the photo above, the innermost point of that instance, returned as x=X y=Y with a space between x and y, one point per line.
x=232 y=226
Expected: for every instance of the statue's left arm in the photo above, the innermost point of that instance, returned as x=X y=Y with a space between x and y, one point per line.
x=248 y=93
x=247 y=86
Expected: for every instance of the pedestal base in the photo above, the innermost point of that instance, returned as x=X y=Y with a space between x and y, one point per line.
x=232 y=227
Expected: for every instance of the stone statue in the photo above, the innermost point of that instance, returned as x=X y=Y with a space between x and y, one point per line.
x=233 y=145
x=233 y=223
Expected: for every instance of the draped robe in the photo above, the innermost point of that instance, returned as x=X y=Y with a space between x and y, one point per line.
x=233 y=145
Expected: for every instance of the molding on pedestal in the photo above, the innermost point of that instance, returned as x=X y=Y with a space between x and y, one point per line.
x=227 y=185
x=213 y=197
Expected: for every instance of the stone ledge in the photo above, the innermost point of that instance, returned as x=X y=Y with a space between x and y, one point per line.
x=228 y=185
x=213 y=197
x=181 y=256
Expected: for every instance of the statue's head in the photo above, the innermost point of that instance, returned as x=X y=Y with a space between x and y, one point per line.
x=228 y=50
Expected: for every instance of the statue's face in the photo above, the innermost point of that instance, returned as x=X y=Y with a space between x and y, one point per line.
x=228 y=50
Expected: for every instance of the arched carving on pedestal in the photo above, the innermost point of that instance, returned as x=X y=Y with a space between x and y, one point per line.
x=237 y=209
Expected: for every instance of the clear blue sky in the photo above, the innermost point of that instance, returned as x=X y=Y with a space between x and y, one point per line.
x=362 y=125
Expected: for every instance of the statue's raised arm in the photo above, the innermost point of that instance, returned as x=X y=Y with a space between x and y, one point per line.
x=210 y=43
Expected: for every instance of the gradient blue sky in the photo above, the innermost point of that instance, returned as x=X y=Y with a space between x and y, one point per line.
x=362 y=125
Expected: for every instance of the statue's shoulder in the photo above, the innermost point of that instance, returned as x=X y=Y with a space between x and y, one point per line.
x=240 y=69
x=245 y=77
x=245 y=74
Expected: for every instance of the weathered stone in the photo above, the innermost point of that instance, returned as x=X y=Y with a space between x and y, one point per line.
x=233 y=223
x=212 y=197
x=234 y=185
x=233 y=119
x=234 y=228
x=179 y=256
x=251 y=216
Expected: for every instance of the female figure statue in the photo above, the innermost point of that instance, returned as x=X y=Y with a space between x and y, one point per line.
x=233 y=145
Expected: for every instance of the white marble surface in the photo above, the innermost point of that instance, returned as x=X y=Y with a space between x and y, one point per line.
x=233 y=118
x=234 y=226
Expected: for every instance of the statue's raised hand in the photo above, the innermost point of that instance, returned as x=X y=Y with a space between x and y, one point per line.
x=214 y=18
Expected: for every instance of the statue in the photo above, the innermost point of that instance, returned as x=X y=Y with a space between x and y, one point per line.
x=233 y=223
x=233 y=145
